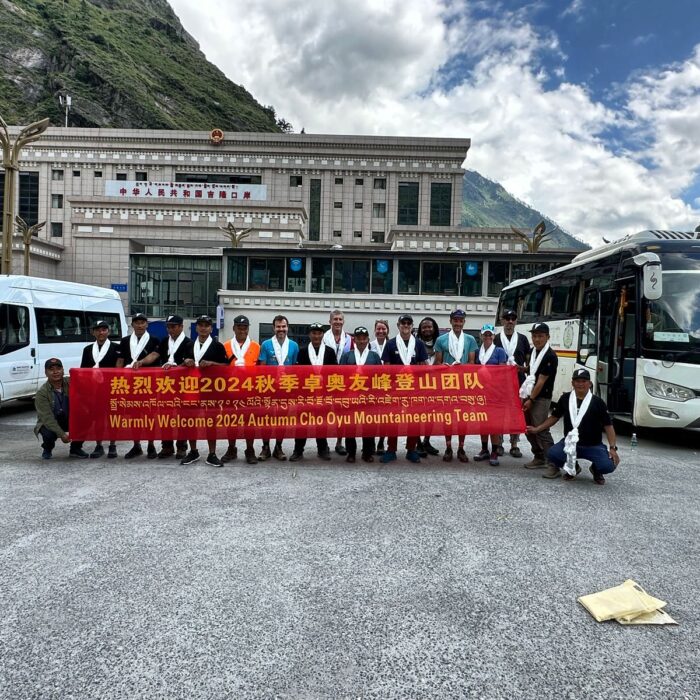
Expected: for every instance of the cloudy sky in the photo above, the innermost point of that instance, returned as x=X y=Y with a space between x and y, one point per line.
x=587 y=109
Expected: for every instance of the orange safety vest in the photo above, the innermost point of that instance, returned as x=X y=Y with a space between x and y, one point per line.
x=251 y=356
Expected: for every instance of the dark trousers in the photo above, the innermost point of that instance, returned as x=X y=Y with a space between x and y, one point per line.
x=538 y=413
x=367 y=446
x=393 y=442
x=180 y=445
x=321 y=444
x=596 y=454
x=50 y=438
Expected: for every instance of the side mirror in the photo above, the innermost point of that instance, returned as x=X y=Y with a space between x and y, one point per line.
x=583 y=354
x=652 y=281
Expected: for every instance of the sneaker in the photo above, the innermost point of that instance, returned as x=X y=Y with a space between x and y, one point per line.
x=552 y=472
x=277 y=453
x=569 y=477
x=350 y=458
x=191 y=457
x=515 y=452
x=180 y=454
x=46 y=454
x=151 y=452
x=598 y=478
x=493 y=458
x=296 y=456
x=213 y=460
x=324 y=454
x=135 y=451
x=250 y=457
x=166 y=452
x=462 y=455
x=500 y=451
x=430 y=449
x=340 y=449
x=265 y=454
x=413 y=456
x=482 y=456
x=98 y=452
x=112 y=451
x=78 y=453
x=535 y=463
x=388 y=456
x=230 y=455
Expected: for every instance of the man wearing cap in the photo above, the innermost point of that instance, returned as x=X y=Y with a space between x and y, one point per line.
x=173 y=350
x=134 y=352
x=360 y=355
x=51 y=403
x=102 y=354
x=242 y=351
x=536 y=393
x=207 y=351
x=316 y=353
x=490 y=354
x=340 y=342
x=586 y=417
x=404 y=349
x=277 y=351
x=455 y=348
x=517 y=348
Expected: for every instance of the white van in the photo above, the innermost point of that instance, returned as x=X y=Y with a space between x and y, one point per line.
x=42 y=318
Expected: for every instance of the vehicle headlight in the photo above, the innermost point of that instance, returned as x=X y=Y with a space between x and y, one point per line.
x=665 y=390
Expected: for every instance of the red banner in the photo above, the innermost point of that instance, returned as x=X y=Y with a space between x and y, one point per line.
x=293 y=402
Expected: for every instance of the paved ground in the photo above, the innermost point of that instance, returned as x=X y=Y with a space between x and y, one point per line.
x=141 y=579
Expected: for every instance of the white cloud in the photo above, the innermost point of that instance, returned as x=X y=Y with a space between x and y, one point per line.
x=430 y=68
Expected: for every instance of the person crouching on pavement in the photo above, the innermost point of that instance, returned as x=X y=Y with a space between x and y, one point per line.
x=51 y=403
x=360 y=355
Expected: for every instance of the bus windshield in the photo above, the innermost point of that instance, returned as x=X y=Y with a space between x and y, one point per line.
x=672 y=324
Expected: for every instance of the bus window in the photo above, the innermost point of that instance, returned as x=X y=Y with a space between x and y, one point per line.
x=14 y=328
x=589 y=321
x=563 y=300
x=509 y=300
x=60 y=326
x=115 y=331
x=532 y=303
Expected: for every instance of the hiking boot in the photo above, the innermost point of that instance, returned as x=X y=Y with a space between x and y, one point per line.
x=296 y=456
x=388 y=456
x=265 y=453
x=493 y=458
x=180 y=454
x=462 y=455
x=413 y=456
x=151 y=452
x=191 y=457
x=78 y=453
x=250 y=457
x=432 y=451
x=482 y=456
x=552 y=472
x=598 y=478
x=422 y=452
x=166 y=452
x=500 y=451
x=213 y=461
x=112 y=451
x=135 y=451
x=535 y=463
x=98 y=452
x=515 y=452
x=340 y=449
x=46 y=454
x=324 y=454
x=277 y=453
x=447 y=457
x=230 y=454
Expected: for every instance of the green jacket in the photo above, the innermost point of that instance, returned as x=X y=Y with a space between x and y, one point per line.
x=44 y=408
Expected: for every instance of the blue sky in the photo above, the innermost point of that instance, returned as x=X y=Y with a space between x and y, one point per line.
x=586 y=110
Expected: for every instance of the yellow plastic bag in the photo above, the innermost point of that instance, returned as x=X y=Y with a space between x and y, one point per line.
x=625 y=601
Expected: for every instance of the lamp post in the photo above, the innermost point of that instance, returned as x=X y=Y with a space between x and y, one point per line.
x=28 y=232
x=10 y=162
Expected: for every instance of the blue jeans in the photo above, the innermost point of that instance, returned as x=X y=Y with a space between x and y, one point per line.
x=597 y=454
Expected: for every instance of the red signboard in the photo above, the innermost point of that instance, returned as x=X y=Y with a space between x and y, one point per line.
x=293 y=402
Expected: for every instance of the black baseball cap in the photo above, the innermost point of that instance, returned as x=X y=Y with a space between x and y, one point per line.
x=52 y=362
x=241 y=321
x=406 y=317
x=361 y=330
x=509 y=313
x=206 y=320
x=581 y=374
x=100 y=324
x=315 y=327
x=458 y=313
x=174 y=320
x=540 y=328
x=139 y=317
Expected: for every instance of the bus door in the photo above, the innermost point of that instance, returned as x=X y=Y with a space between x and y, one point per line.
x=19 y=372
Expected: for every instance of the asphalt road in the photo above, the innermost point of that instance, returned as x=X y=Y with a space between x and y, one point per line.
x=152 y=580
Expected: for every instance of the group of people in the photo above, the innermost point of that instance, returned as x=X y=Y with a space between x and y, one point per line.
x=585 y=415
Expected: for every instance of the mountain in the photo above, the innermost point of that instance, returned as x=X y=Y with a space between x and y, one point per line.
x=486 y=203
x=124 y=63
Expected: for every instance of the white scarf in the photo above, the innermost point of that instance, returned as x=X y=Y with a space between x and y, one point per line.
x=339 y=347
x=485 y=355
x=406 y=352
x=379 y=349
x=361 y=357
x=571 y=440
x=316 y=358
x=281 y=351
x=98 y=354
x=455 y=344
x=510 y=346
x=200 y=348
x=535 y=362
x=136 y=346
x=173 y=346
x=239 y=351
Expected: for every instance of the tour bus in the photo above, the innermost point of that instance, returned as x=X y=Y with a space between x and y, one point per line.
x=42 y=318
x=630 y=313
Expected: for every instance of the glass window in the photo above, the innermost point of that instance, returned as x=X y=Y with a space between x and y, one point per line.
x=337 y=205
x=56 y=230
x=29 y=197
x=76 y=173
x=351 y=276
x=57 y=201
x=98 y=173
x=358 y=205
x=532 y=303
x=235 y=277
x=185 y=263
x=296 y=180
x=337 y=234
x=359 y=181
x=357 y=234
x=315 y=210
x=296 y=274
x=115 y=329
x=377 y=236
x=61 y=326
x=440 y=203
x=57 y=174
x=409 y=276
x=472 y=279
x=408 y=203
x=339 y=181
x=266 y=274
x=141 y=176
x=440 y=278
x=14 y=328
x=379 y=183
x=121 y=176
x=321 y=275
x=523 y=271
x=497 y=278
x=563 y=298
x=378 y=210
x=382 y=276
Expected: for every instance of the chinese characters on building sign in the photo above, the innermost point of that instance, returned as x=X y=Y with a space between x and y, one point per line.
x=128 y=189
